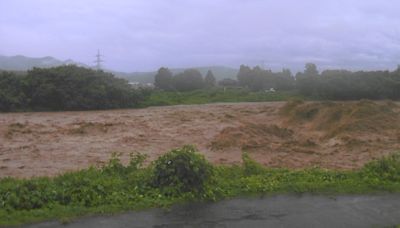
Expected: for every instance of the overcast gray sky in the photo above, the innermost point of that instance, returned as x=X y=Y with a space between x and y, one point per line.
x=140 y=35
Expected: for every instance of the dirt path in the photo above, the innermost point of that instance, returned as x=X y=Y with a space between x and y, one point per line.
x=49 y=143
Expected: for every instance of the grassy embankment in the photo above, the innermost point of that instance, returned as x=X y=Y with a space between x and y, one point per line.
x=159 y=98
x=116 y=188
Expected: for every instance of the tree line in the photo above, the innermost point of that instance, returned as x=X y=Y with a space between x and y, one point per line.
x=65 y=88
x=348 y=85
x=190 y=79
x=77 y=88
x=329 y=84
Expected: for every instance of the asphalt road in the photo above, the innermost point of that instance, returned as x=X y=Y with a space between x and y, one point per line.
x=275 y=211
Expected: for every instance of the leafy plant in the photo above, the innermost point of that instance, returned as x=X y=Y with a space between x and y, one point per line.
x=387 y=168
x=182 y=168
x=250 y=166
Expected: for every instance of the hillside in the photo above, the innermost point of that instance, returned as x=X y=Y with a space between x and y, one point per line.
x=23 y=63
x=20 y=63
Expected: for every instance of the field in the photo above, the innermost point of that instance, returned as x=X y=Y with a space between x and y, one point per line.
x=334 y=135
x=215 y=95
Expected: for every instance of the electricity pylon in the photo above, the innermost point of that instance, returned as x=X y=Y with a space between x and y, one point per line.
x=98 y=60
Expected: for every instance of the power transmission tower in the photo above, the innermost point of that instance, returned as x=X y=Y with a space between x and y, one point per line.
x=98 y=60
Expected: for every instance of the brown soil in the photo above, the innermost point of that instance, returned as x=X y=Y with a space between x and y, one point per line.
x=342 y=135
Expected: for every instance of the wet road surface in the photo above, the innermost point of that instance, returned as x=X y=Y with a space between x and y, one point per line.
x=275 y=211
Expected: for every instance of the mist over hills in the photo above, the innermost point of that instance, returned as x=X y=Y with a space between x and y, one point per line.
x=24 y=63
x=220 y=72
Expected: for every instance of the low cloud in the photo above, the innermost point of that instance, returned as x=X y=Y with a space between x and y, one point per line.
x=144 y=35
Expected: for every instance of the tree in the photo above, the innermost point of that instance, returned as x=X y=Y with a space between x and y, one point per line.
x=190 y=79
x=210 y=80
x=243 y=76
x=310 y=70
x=284 y=80
x=77 y=88
x=12 y=96
x=163 y=79
x=307 y=82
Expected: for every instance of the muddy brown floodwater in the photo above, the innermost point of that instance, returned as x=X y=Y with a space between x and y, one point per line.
x=50 y=143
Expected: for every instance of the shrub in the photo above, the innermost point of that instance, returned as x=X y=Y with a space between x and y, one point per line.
x=183 y=169
x=26 y=195
x=250 y=166
x=387 y=168
x=115 y=167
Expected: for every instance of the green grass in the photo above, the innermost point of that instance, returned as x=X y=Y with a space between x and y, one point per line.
x=115 y=188
x=160 y=98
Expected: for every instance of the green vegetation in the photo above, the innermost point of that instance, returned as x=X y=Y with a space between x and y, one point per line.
x=115 y=187
x=347 y=85
x=188 y=80
x=65 y=88
x=258 y=79
x=158 y=98
x=182 y=170
x=209 y=79
x=328 y=85
x=78 y=88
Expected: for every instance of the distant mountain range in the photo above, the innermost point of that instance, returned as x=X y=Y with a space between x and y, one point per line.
x=23 y=63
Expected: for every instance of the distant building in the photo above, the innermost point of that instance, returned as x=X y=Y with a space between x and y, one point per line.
x=138 y=85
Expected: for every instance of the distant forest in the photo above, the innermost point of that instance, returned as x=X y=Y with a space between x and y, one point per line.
x=78 y=88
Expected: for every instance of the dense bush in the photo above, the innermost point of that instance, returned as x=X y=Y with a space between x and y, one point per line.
x=12 y=96
x=347 y=85
x=163 y=79
x=251 y=167
x=330 y=84
x=66 y=88
x=259 y=79
x=182 y=168
x=188 y=80
x=387 y=168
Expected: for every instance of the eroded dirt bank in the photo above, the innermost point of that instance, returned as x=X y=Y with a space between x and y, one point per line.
x=341 y=135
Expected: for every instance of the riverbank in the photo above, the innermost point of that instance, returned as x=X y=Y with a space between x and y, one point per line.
x=382 y=210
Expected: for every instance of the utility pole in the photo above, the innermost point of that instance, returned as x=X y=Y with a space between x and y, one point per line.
x=98 y=60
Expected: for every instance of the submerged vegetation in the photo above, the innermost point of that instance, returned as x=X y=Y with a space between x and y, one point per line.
x=182 y=175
